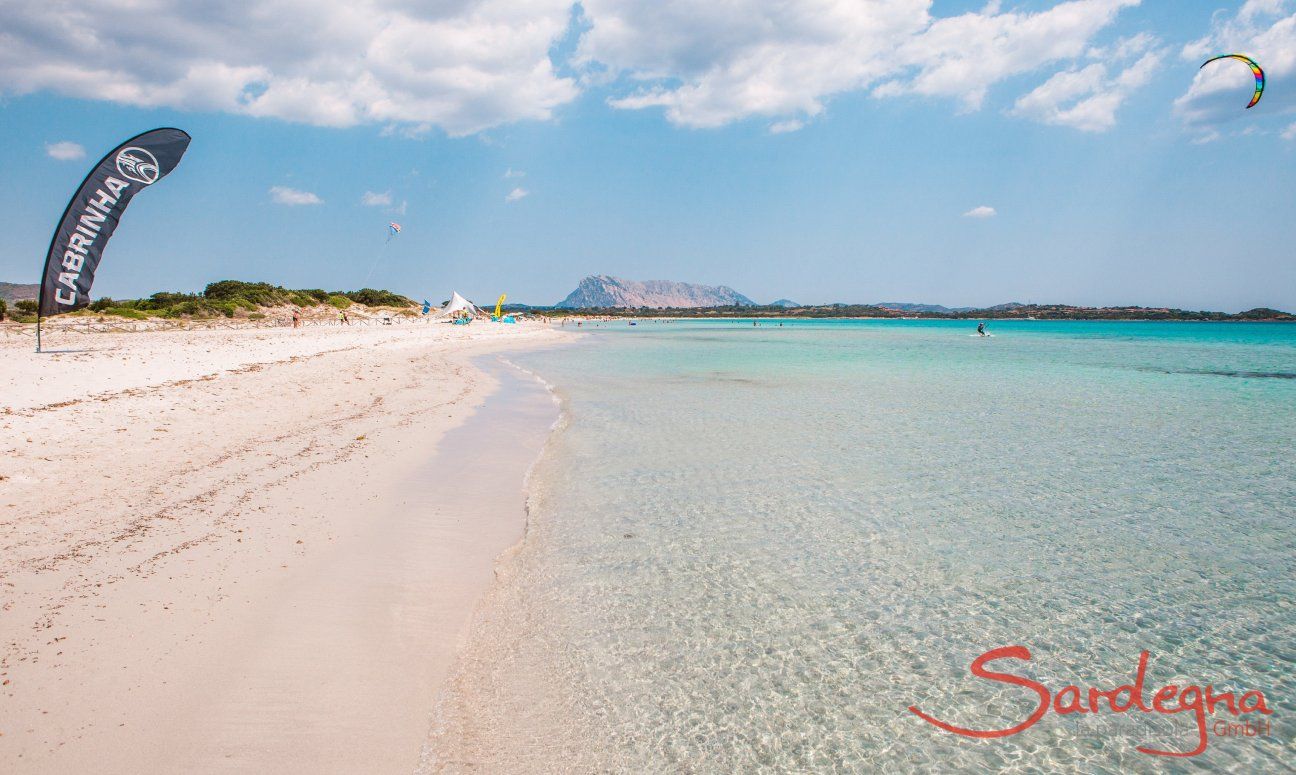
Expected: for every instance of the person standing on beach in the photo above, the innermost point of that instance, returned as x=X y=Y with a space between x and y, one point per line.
x=296 y=318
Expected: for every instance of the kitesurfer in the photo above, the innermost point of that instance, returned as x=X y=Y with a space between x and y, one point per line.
x=981 y=329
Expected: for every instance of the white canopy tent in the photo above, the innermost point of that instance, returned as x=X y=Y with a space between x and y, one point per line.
x=455 y=305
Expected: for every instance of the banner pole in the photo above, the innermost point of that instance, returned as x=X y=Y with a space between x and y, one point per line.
x=38 y=329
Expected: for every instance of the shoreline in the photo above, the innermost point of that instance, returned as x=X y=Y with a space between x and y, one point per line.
x=444 y=747
x=253 y=594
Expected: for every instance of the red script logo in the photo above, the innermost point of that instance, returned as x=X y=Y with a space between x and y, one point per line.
x=1168 y=700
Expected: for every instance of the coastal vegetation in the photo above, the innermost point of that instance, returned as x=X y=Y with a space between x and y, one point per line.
x=226 y=298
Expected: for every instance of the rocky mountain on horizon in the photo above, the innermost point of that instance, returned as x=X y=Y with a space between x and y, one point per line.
x=785 y=303
x=602 y=291
x=11 y=292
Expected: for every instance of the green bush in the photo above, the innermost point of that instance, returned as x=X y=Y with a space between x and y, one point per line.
x=374 y=298
x=262 y=294
x=125 y=312
x=341 y=302
x=161 y=300
x=26 y=306
x=3 y=309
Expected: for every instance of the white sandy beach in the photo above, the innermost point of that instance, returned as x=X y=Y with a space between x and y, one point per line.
x=248 y=550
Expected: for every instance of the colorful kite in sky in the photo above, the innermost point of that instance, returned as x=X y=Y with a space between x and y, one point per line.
x=1255 y=70
x=393 y=229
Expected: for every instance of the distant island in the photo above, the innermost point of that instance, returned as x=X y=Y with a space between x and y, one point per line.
x=1000 y=312
x=613 y=296
x=603 y=291
x=904 y=306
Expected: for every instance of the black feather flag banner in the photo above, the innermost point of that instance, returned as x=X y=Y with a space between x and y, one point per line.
x=94 y=211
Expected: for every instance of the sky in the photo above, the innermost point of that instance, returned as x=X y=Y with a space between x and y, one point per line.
x=960 y=153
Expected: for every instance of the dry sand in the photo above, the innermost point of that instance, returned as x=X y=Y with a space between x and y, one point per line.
x=249 y=550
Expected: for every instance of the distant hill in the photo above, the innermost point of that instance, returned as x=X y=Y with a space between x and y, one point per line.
x=607 y=292
x=904 y=306
x=785 y=303
x=12 y=292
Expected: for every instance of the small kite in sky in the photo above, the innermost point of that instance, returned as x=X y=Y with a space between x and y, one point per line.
x=1255 y=70
x=393 y=229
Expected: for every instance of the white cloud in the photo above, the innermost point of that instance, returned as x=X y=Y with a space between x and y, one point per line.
x=293 y=197
x=1086 y=99
x=512 y=173
x=376 y=199
x=783 y=127
x=1221 y=91
x=65 y=151
x=1207 y=135
x=465 y=66
x=1290 y=132
x=962 y=56
x=461 y=65
x=516 y=194
x=709 y=63
x=984 y=211
x=400 y=208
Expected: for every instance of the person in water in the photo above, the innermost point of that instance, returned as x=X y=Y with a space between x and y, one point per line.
x=981 y=329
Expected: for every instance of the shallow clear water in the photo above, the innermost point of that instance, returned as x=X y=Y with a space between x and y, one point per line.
x=753 y=548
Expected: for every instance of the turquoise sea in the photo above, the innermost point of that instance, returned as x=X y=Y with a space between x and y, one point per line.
x=753 y=548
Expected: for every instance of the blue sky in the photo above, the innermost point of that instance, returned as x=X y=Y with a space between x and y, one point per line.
x=688 y=146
